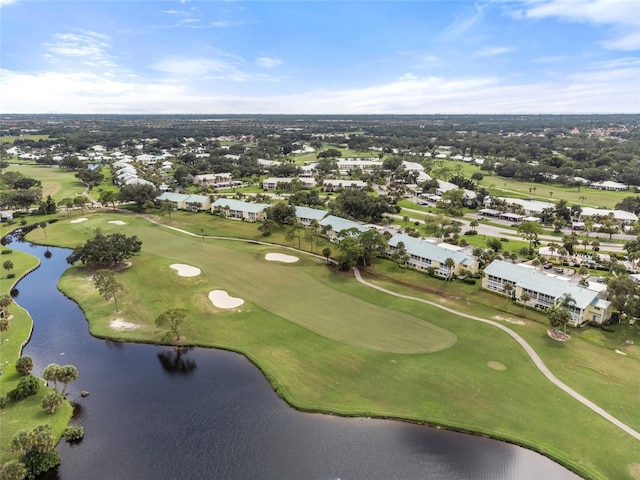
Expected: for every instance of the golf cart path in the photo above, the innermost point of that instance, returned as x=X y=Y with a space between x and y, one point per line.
x=527 y=348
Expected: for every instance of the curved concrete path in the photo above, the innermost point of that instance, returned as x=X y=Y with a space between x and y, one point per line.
x=527 y=348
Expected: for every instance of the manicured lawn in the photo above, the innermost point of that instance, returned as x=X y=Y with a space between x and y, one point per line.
x=320 y=353
x=504 y=187
x=57 y=182
x=13 y=138
x=27 y=413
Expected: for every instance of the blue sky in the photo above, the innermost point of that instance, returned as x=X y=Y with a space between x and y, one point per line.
x=315 y=57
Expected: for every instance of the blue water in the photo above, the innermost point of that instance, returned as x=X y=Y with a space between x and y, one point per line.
x=154 y=413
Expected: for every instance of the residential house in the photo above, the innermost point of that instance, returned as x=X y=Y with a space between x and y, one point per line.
x=423 y=254
x=183 y=201
x=306 y=215
x=366 y=165
x=621 y=216
x=609 y=185
x=286 y=183
x=544 y=290
x=219 y=180
x=335 y=225
x=239 y=210
x=336 y=185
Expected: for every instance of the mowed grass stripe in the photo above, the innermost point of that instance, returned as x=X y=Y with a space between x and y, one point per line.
x=292 y=292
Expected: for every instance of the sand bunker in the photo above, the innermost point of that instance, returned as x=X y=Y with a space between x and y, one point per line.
x=121 y=324
x=221 y=299
x=79 y=220
x=185 y=270
x=281 y=257
x=117 y=222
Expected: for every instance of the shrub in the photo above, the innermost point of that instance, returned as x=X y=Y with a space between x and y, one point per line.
x=27 y=387
x=3 y=402
x=23 y=221
x=37 y=463
x=503 y=239
x=7 y=251
x=11 y=275
x=72 y=434
x=24 y=365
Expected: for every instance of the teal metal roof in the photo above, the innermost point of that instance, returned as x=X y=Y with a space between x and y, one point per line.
x=338 y=224
x=542 y=283
x=425 y=249
x=239 y=205
x=173 y=197
x=310 y=213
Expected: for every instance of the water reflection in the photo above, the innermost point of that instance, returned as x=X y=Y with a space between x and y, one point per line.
x=175 y=361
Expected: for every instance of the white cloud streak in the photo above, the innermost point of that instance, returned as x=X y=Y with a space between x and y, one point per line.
x=268 y=62
x=606 y=88
x=461 y=24
x=495 y=51
x=622 y=16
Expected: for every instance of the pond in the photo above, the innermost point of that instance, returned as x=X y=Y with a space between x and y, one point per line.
x=157 y=413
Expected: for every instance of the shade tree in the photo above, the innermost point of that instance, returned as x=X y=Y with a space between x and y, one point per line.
x=173 y=319
x=105 y=282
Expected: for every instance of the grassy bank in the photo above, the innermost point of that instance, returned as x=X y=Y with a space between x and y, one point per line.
x=307 y=328
x=27 y=413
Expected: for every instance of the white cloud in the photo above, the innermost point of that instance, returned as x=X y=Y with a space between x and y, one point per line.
x=622 y=16
x=85 y=45
x=495 y=51
x=605 y=87
x=462 y=24
x=268 y=62
x=194 y=67
x=4 y=3
x=603 y=12
x=225 y=67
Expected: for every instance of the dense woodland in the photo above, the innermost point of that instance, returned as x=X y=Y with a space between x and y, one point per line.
x=525 y=148
x=531 y=148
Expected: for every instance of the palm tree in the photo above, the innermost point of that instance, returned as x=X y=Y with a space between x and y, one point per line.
x=508 y=288
x=326 y=253
x=5 y=301
x=449 y=263
x=290 y=236
x=563 y=304
x=524 y=298
x=8 y=266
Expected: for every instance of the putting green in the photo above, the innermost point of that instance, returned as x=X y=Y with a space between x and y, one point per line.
x=294 y=293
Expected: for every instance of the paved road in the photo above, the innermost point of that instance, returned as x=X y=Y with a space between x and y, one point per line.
x=527 y=348
x=505 y=232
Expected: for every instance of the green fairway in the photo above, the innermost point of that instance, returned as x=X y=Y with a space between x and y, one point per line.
x=294 y=291
x=57 y=182
x=13 y=138
x=588 y=197
x=354 y=371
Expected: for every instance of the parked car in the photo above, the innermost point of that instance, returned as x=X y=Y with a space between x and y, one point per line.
x=547 y=266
